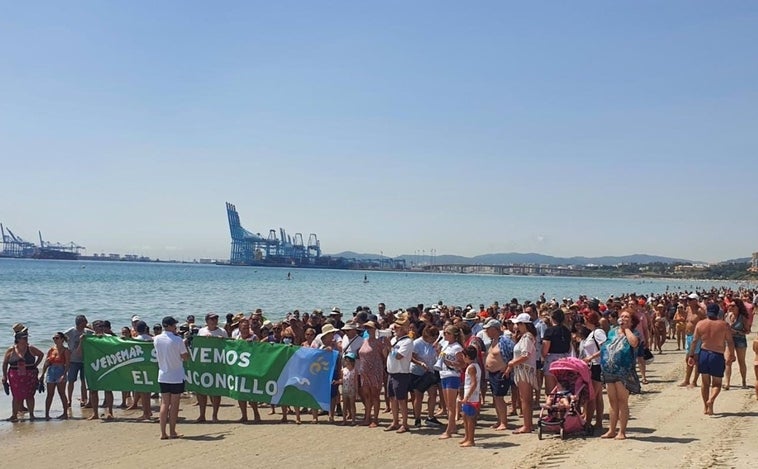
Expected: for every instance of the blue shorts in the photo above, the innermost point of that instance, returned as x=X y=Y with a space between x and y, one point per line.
x=470 y=409
x=499 y=384
x=54 y=373
x=453 y=382
x=711 y=363
x=74 y=369
x=740 y=341
x=688 y=341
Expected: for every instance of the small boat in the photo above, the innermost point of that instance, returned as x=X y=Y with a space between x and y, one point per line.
x=365 y=278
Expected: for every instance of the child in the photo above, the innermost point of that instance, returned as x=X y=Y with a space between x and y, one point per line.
x=349 y=388
x=470 y=401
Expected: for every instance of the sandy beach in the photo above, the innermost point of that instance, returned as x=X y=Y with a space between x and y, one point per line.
x=667 y=429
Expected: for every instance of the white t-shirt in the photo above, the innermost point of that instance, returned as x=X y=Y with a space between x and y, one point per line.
x=218 y=332
x=449 y=352
x=351 y=345
x=170 y=347
x=402 y=346
x=589 y=347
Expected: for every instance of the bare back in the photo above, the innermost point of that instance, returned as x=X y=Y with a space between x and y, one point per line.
x=714 y=333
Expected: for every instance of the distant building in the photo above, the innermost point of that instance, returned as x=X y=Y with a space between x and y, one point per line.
x=754 y=263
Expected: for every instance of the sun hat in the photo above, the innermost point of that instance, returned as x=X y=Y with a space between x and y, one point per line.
x=402 y=319
x=693 y=296
x=523 y=317
x=19 y=327
x=370 y=324
x=349 y=326
x=327 y=329
x=471 y=315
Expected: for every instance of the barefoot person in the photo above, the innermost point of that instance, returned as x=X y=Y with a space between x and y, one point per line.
x=54 y=373
x=470 y=401
x=694 y=314
x=496 y=361
x=171 y=353
x=618 y=355
x=211 y=329
x=714 y=333
x=20 y=368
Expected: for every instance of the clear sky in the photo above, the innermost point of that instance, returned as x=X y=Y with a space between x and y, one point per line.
x=564 y=128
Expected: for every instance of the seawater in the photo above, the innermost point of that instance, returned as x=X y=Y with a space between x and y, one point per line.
x=47 y=295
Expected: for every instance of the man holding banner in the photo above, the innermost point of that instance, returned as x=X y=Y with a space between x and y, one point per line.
x=171 y=353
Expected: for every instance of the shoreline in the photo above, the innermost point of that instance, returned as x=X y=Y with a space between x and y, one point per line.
x=667 y=429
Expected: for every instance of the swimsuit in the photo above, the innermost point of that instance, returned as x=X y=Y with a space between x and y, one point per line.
x=711 y=363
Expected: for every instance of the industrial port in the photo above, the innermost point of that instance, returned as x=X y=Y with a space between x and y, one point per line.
x=15 y=246
x=278 y=249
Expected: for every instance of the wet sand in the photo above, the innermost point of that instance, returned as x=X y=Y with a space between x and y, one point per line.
x=667 y=429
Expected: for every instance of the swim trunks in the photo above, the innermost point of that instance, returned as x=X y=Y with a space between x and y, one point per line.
x=499 y=384
x=688 y=341
x=711 y=363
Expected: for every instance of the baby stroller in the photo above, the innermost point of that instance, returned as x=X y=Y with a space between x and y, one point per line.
x=562 y=413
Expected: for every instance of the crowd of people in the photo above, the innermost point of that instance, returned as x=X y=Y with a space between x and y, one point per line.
x=425 y=363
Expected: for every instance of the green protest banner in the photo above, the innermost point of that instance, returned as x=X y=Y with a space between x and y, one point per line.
x=259 y=372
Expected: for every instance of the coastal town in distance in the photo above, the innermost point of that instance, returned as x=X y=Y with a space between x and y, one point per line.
x=279 y=249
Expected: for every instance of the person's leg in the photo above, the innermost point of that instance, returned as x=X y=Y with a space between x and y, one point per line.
x=403 y=404
x=216 y=404
x=30 y=407
x=418 y=401
x=395 y=413
x=740 y=352
x=257 y=413
x=377 y=404
x=715 y=390
x=83 y=385
x=243 y=411
x=467 y=432
x=49 y=399
x=452 y=415
x=163 y=415
x=202 y=402
x=525 y=395
x=705 y=391
x=515 y=400
x=173 y=415
x=613 y=414
x=94 y=402
x=622 y=398
x=643 y=368
x=502 y=413
x=755 y=371
x=108 y=404
x=61 y=387
x=146 y=411
x=432 y=401
x=727 y=375
x=598 y=404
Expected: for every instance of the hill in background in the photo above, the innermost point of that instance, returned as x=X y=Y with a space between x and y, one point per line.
x=527 y=258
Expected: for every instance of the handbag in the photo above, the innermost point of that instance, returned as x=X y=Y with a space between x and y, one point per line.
x=648 y=356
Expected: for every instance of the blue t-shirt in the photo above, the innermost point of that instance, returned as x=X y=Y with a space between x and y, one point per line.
x=425 y=352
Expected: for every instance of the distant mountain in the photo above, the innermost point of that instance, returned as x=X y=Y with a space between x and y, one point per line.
x=528 y=258
x=357 y=255
x=741 y=260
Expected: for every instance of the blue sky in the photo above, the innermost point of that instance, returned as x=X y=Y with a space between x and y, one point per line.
x=565 y=128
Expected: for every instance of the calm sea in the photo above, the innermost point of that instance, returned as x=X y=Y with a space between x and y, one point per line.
x=47 y=295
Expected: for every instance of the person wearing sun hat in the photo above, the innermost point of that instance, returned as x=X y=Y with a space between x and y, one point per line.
x=399 y=370
x=325 y=341
x=371 y=357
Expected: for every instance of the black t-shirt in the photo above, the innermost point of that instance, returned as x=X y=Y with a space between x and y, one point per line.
x=560 y=339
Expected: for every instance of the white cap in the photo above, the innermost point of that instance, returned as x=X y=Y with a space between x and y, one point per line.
x=693 y=296
x=136 y=318
x=523 y=317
